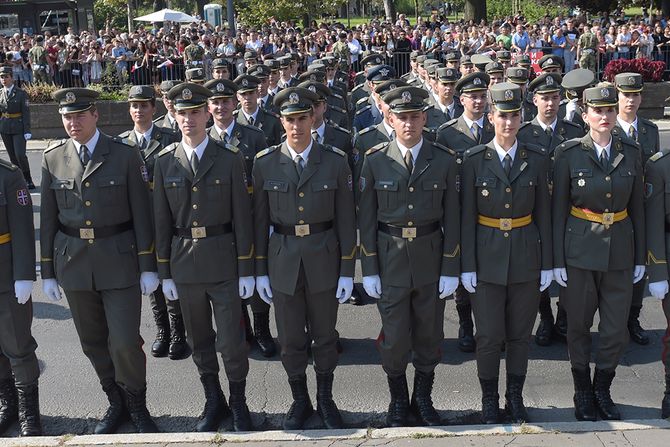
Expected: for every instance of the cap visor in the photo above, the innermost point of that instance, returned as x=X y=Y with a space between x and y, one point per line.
x=64 y=110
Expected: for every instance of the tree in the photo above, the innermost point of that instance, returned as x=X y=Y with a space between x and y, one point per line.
x=474 y=10
x=258 y=13
x=389 y=9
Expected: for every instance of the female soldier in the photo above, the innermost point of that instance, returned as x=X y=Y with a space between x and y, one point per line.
x=598 y=245
x=506 y=211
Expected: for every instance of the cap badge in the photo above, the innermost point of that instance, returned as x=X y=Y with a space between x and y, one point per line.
x=293 y=98
x=136 y=90
x=186 y=94
x=450 y=72
x=312 y=88
x=631 y=80
x=312 y=77
x=220 y=87
x=384 y=72
x=509 y=95
x=519 y=73
x=406 y=97
x=604 y=92
x=550 y=61
x=70 y=98
x=378 y=61
x=392 y=86
x=477 y=81
x=245 y=83
x=550 y=80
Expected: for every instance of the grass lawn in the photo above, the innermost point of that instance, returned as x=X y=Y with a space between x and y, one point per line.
x=356 y=21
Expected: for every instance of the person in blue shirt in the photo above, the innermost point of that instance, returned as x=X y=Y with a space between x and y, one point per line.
x=520 y=40
x=558 y=43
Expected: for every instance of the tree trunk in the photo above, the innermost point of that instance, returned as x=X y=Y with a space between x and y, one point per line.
x=416 y=10
x=665 y=7
x=389 y=9
x=201 y=7
x=474 y=10
x=158 y=5
x=129 y=10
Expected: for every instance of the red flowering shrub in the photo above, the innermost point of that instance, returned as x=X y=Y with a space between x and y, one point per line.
x=651 y=71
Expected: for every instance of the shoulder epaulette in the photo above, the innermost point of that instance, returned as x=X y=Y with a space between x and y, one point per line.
x=357 y=87
x=228 y=146
x=123 y=141
x=252 y=128
x=367 y=129
x=8 y=165
x=340 y=128
x=475 y=150
x=447 y=124
x=359 y=111
x=569 y=144
x=125 y=134
x=647 y=122
x=336 y=150
x=337 y=109
x=443 y=147
x=336 y=95
x=377 y=147
x=266 y=151
x=167 y=149
x=524 y=124
x=362 y=100
x=55 y=144
x=660 y=154
x=536 y=148
x=570 y=123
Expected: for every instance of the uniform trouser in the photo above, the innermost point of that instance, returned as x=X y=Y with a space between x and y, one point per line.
x=409 y=318
x=638 y=292
x=16 y=148
x=17 y=345
x=588 y=62
x=108 y=324
x=665 y=356
x=462 y=296
x=160 y=304
x=293 y=314
x=504 y=315
x=197 y=306
x=610 y=294
x=40 y=76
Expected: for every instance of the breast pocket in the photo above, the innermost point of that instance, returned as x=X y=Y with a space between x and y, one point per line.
x=175 y=190
x=325 y=189
x=437 y=187
x=277 y=194
x=64 y=191
x=580 y=177
x=485 y=185
x=387 y=193
x=217 y=188
x=113 y=191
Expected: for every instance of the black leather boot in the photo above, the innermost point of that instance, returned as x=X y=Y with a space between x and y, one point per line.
x=602 y=381
x=665 y=405
x=179 y=349
x=585 y=406
x=161 y=345
x=216 y=409
x=490 y=400
x=466 y=339
x=637 y=334
x=262 y=333
x=238 y=406
x=561 y=325
x=29 y=410
x=325 y=405
x=9 y=407
x=422 y=404
x=29 y=180
x=546 y=326
x=514 y=399
x=399 y=405
x=136 y=402
x=248 y=333
x=116 y=413
x=356 y=296
x=301 y=408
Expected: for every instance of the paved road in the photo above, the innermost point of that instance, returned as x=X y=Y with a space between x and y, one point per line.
x=72 y=399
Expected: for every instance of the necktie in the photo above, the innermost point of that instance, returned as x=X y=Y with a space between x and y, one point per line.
x=549 y=131
x=507 y=165
x=251 y=120
x=143 y=143
x=392 y=136
x=194 y=162
x=315 y=135
x=475 y=131
x=299 y=166
x=409 y=162
x=85 y=155
x=603 y=159
x=632 y=133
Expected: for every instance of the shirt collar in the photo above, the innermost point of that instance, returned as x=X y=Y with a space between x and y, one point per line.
x=90 y=144
x=146 y=135
x=626 y=126
x=600 y=149
x=304 y=154
x=502 y=152
x=253 y=115
x=199 y=149
x=414 y=149
x=9 y=89
x=444 y=108
x=228 y=130
x=321 y=130
x=552 y=125
x=480 y=122
x=389 y=129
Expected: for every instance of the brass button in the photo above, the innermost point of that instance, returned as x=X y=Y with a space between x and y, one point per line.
x=174 y=184
x=459 y=161
x=301 y=194
x=410 y=206
x=410 y=223
x=195 y=189
x=607 y=179
x=484 y=184
x=606 y=210
x=508 y=189
x=276 y=188
x=386 y=186
x=608 y=195
x=581 y=174
x=90 y=241
x=111 y=182
x=88 y=222
x=325 y=186
x=410 y=239
x=195 y=223
x=300 y=208
x=434 y=185
x=87 y=203
x=217 y=181
x=506 y=234
x=195 y=206
x=301 y=221
x=411 y=189
x=507 y=205
x=87 y=184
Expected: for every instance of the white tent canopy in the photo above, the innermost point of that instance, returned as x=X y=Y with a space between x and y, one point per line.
x=167 y=15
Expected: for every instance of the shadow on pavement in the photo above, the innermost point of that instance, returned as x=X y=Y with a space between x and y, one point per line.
x=50 y=311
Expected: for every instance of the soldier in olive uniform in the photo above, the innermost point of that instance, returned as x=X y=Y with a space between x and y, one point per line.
x=325 y=132
x=480 y=61
x=363 y=87
x=506 y=210
x=336 y=110
x=575 y=82
x=465 y=65
x=96 y=241
x=252 y=115
x=368 y=112
x=447 y=104
x=550 y=63
x=598 y=220
x=587 y=50
x=410 y=250
x=167 y=121
x=519 y=76
x=496 y=73
x=204 y=246
x=19 y=370
x=194 y=54
x=195 y=75
x=221 y=69
x=262 y=72
x=645 y=133
x=547 y=131
x=15 y=122
x=38 y=61
x=249 y=140
x=303 y=191
x=150 y=140
x=285 y=79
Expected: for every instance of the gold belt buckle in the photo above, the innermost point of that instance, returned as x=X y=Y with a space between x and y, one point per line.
x=198 y=232
x=302 y=230
x=505 y=224
x=608 y=218
x=409 y=233
x=86 y=233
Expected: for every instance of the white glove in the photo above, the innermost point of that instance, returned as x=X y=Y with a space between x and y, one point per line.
x=264 y=289
x=448 y=285
x=149 y=282
x=345 y=286
x=27 y=136
x=469 y=281
x=570 y=109
x=373 y=286
x=561 y=277
x=658 y=289
x=546 y=277
x=170 y=290
x=51 y=290
x=22 y=290
x=246 y=284
x=638 y=273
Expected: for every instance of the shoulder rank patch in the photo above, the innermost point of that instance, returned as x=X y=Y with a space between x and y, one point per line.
x=336 y=150
x=169 y=148
x=367 y=129
x=8 y=164
x=362 y=100
x=658 y=155
x=379 y=146
x=123 y=141
x=364 y=109
x=55 y=144
x=266 y=151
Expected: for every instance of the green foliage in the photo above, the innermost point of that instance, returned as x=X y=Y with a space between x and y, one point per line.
x=111 y=93
x=256 y=13
x=39 y=93
x=531 y=10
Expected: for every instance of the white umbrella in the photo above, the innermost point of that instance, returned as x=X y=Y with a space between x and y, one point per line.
x=167 y=15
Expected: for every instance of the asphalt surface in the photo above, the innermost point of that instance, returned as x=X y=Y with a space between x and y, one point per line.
x=72 y=401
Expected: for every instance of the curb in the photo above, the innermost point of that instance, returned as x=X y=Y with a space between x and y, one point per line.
x=334 y=435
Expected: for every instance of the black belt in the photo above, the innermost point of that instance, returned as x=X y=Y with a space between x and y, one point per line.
x=202 y=232
x=302 y=230
x=97 y=232
x=408 y=232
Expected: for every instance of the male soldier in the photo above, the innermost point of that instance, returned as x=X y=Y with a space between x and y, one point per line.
x=446 y=87
x=496 y=72
x=19 y=370
x=466 y=66
x=204 y=246
x=519 y=76
x=251 y=114
x=150 y=140
x=587 y=49
x=167 y=121
x=194 y=54
x=480 y=61
x=369 y=61
x=304 y=190
x=285 y=79
x=412 y=74
x=460 y=134
x=273 y=79
x=341 y=48
x=575 y=82
x=249 y=140
x=38 y=60
x=15 y=122
x=645 y=133
x=262 y=72
x=336 y=110
x=452 y=60
x=96 y=241
x=547 y=131
x=408 y=195
x=369 y=112
x=332 y=81
x=364 y=86
x=221 y=69
x=550 y=63
x=325 y=132
x=195 y=75
x=431 y=84
x=505 y=58
x=250 y=59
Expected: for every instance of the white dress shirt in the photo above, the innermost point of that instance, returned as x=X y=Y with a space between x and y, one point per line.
x=199 y=149
x=304 y=154
x=146 y=135
x=90 y=144
x=502 y=152
x=414 y=149
x=227 y=131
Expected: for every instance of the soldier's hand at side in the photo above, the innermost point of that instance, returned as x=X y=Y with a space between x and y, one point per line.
x=22 y=290
x=149 y=282
x=170 y=290
x=264 y=289
x=27 y=136
x=448 y=285
x=658 y=289
x=345 y=287
x=373 y=286
x=638 y=273
x=246 y=285
x=469 y=281
x=561 y=277
x=50 y=289
x=546 y=277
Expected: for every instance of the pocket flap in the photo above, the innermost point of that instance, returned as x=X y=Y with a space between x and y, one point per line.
x=217 y=181
x=627 y=173
x=386 y=185
x=275 y=185
x=576 y=173
x=173 y=182
x=429 y=185
x=110 y=181
x=486 y=181
x=532 y=181
x=65 y=183
x=324 y=185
